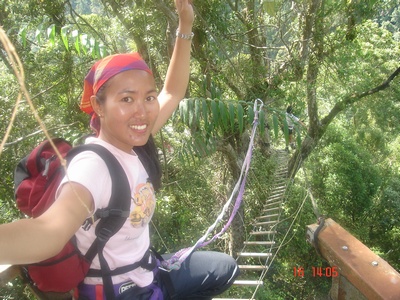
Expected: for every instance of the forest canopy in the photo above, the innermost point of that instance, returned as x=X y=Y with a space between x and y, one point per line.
x=336 y=62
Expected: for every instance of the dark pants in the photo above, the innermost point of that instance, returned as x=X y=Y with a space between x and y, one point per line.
x=203 y=275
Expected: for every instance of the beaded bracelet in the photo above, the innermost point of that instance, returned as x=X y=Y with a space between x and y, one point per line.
x=184 y=36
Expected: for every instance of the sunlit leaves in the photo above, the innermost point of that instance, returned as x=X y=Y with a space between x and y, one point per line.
x=212 y=119
x=71 y=39
x=214 y=116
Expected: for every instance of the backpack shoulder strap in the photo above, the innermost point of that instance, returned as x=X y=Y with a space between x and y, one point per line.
x=120 y=188
x=117 y=211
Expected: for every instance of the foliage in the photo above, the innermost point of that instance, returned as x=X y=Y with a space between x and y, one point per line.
x=385 y=225
x=345 y=178
x=283 y=52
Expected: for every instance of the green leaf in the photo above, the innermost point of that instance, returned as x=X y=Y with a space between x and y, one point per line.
x=51 y=34
x=96 y=49
x=231 y=109
x=75 y=37
x=215 y=113
x=276 y=125
x=183 y=111
x=205 y=113
x=190 y=112
x=250 y=114
x=64 y=37
x=240 y=111
x=23 y=36
x=84 y=43
x=77 y=46
x=223 y=115
x=197 y=112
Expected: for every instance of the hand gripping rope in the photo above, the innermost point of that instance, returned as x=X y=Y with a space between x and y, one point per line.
x=174 y=263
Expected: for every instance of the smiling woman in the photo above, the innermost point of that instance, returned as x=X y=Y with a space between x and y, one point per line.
x=121 y=97
x=120 y=91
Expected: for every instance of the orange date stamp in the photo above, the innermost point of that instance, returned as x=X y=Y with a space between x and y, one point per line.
x=317 y=271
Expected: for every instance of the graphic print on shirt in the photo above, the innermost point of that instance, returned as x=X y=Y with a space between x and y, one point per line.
x=144 y=204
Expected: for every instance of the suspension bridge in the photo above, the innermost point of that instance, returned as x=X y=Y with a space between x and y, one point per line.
x=260 y=247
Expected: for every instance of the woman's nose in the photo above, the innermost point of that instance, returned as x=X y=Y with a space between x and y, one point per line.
x=139 y=108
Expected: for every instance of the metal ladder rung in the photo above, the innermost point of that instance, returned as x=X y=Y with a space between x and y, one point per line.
x=266 y=223
x=248 y=282
x=259 y=243
x=251 y=254
x=273 y=203
x=264 y=217
x=262 y=232
x=231 y=299
x=271 y=209
x=274 y=200
x=272 y=216
x=277 y=193
x=253 y=267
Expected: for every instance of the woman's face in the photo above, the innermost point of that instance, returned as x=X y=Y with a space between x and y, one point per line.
x=130 y=109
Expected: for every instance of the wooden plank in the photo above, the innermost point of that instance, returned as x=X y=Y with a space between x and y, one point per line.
x=366 y=271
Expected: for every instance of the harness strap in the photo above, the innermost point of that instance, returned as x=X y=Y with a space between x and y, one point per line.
x=164 y=275
x=119 y=203
x=147 y=262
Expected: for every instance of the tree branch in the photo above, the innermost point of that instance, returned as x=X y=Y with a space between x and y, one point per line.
x=35 y=133
x=351 y=99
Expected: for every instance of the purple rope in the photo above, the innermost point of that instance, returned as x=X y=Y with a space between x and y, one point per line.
x=177 y=259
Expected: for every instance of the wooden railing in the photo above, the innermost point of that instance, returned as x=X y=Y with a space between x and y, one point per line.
x=361 y=274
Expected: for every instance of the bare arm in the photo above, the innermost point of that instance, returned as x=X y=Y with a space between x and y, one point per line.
x=34 y=240
x=177 y=78
x=302 y=124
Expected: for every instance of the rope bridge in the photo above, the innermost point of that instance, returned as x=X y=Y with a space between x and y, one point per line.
x=260 y=248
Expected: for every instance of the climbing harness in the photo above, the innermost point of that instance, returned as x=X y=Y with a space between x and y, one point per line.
x=174 y=263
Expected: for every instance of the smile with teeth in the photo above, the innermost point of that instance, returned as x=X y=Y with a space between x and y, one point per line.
x=138 y=127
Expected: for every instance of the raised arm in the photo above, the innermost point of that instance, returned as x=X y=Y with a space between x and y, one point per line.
x=177 y=77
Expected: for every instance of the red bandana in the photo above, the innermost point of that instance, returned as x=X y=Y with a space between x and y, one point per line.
x=106 y=68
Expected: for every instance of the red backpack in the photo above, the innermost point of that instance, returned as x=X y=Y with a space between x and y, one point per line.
x=36 y=179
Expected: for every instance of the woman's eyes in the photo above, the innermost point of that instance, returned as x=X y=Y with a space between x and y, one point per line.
x=151 y=98
x=127 y=99
x=130 y=99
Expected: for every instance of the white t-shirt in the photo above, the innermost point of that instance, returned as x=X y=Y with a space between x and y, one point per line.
x=132 y=241
x=291 y=119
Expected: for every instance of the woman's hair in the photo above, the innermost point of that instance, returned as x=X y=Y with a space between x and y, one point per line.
x=148 y=155
x=95 y=120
